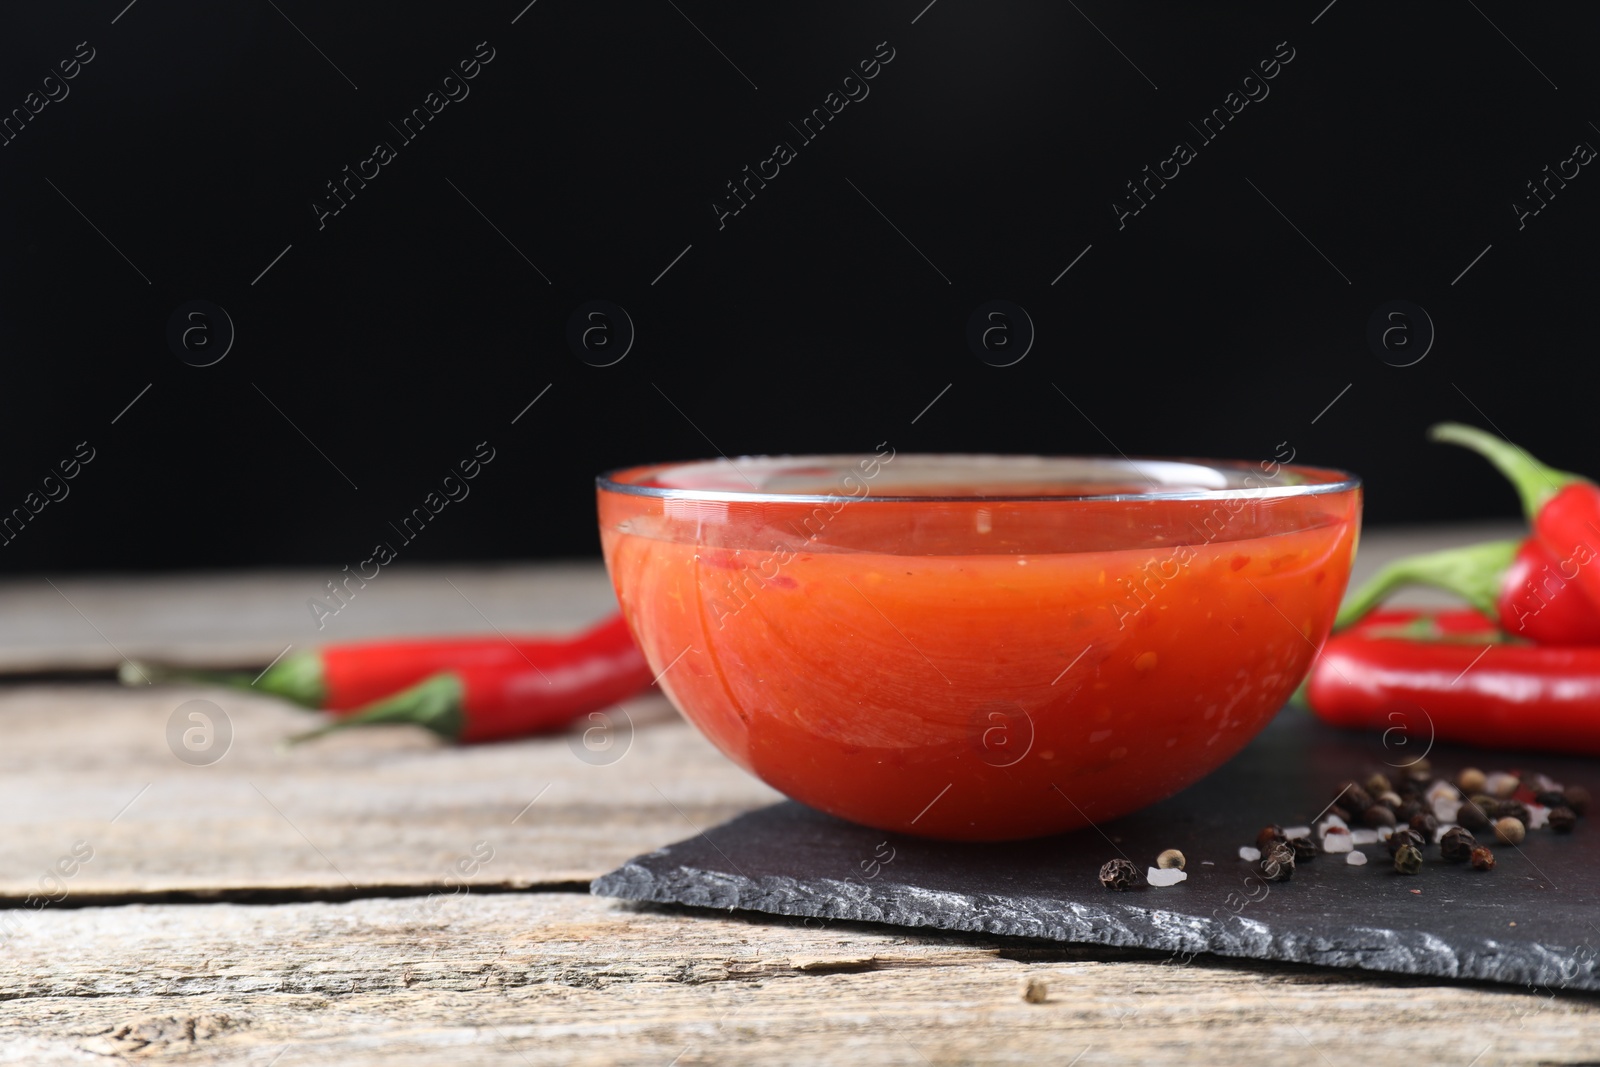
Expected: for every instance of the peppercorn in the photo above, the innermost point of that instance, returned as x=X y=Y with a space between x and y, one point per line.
x=1410 y=787
x=1269 y=836
x=1407 y=811
x=1472 y=816
x=1551 y=798
x=1577 y=799
x=1035 y=991
x=1378 y=815
x=1510 y=830
x=1119 y=874
x=1169 y=859
x=1277 y=862
x=1390 y=800
x=1471 y=780
x=1421 y=769
x=1425 y=825
x=1401 y=838
x=1482 y=859
x=1377 y=784
x=1456 y=845
x=1354 y=797
x=1512 y=809
x=1304 y=848
x=1562 y=819
x=1408 y=860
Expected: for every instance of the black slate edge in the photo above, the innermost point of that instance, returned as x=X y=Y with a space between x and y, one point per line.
x=1112 y=923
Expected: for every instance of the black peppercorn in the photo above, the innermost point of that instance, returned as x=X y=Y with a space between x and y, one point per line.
x=1552 y=798
x=1355 y=798
x=1408 y=810
x=1269 y=836
x=1563 y=819
x=1378 y=783
x=1304 y=848
x=1120 y=875
x=1456 y=845
x=1482 y=859
x=1400 y=838
x=1408 y=860
x=1425 y=824
x=1377 y=816
x=1277 y=862
x=1512 y=809
x=1577 y=799
x=1472 y=816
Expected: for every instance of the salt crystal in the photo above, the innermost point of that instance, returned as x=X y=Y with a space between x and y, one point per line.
x=1363 y=837
x=1332 y=820
x=1538 y=816
x=1297 y=831
x=1356 y=859
x=1385 y=832
x=1500 y=784
x=1446 y=809
x=1337 y=843
x=1248 y=854
x=1164 y=876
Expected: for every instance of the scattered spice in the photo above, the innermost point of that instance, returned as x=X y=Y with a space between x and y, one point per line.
x=1551 y=798
x=1277 y=862
x=1510 y=830
x=1426 y=825
x=1471 y=780
x=1119 y=874
x=1472 y=816
x=1562 y=819
x=1035 y=991
x=1403 y=839
x=1512 y=809
x=1408 y=810
x=1170 y=858
x=1269 y=835
x=1456 y=845
x=1408 y=860
x=1304 y=848
x=1354 y=797
x=1500 y=784
x=1378 y=815
x=1377 y=784
x=1483 y=860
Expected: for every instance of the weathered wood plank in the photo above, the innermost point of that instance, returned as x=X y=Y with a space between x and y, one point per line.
x=381 y=807
x=50 y=623
x=564 y=978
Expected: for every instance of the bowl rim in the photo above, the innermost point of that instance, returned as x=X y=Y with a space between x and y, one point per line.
x=1337 y=480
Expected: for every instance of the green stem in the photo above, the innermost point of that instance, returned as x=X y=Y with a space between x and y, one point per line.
x=296 y=678
x=435 y=704
x=1472 y=573
x=1534 y=481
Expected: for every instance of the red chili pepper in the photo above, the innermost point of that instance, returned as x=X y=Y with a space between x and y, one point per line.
x=1510 y=696
x=488 y=702
x=343 y=677
x=1517 y=583
x=1563 y=508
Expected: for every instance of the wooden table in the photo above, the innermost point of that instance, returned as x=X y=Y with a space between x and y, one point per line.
x=275 y=908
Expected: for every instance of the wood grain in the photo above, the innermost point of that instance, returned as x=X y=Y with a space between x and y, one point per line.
x=353 y=813
x=564 y=978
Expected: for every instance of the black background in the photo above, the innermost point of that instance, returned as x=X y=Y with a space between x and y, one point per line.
x=407 y=329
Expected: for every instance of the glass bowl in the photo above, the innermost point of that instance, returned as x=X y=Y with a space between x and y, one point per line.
x=978 y=647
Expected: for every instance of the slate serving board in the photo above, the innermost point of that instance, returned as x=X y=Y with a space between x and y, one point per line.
x=1534 y=921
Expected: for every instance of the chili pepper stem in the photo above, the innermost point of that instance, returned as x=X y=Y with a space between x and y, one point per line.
x=1473 y=573
x=296 y=678
x=435 y=704
x=1534 y=481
